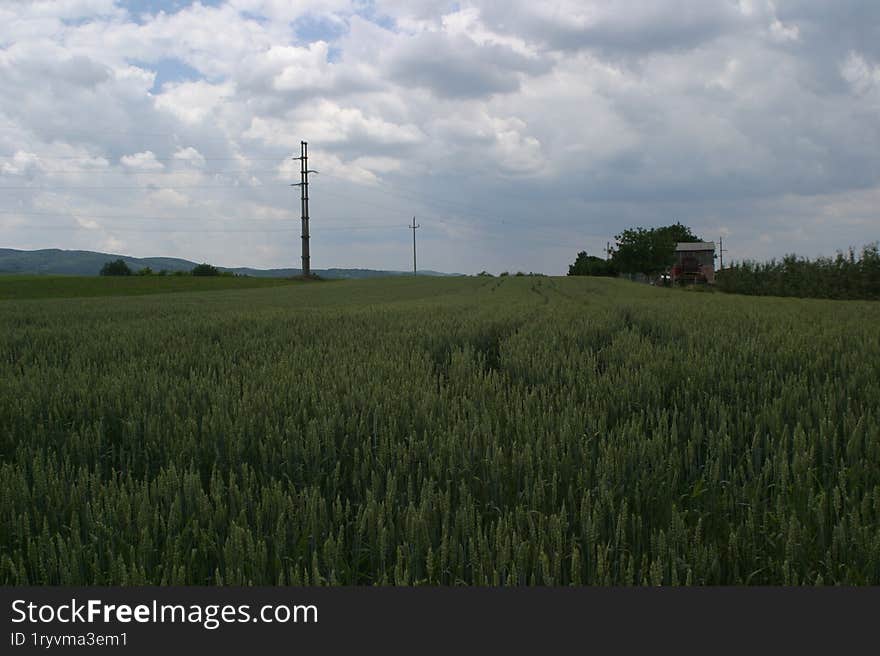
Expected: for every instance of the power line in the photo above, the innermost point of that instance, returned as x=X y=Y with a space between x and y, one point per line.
x=163 y=230
x=123 y=171
x=157 y=187
x=279 y=158
x=102 y=133
x=385 y=206
x=199 y=230
x=190 y=229
x=436 y=219
x=421 y=197
x=139 y=217
x=427 y=200
x=444 y=204
x=219 y=231
x=142 y=187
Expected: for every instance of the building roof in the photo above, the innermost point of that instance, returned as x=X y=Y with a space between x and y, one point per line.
x=695 y=246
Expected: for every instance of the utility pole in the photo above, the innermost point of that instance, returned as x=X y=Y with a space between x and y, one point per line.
x=721 y=252
x=303 y=184
x=607 y=250
x=414 y=227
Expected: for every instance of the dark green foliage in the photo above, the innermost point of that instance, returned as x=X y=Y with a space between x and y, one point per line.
x=205 y=270
x=590 y=265
x=649 y=250
x=115 y=268
x=843 y=277
x=146 y=271
x=483 y=431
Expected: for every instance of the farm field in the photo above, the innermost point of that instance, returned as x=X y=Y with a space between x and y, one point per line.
x=40 y=286
x=439 y=431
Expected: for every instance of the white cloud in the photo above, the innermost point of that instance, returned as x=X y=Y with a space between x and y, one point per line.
x=169 y=197
x=328 y=122
x=299 y=68
x=190 y=156
x=751 y=117
x=192 y=102
x=21 y=162
x=862 y=76
x=88 y=224
x=145 y=161
x=784 y=33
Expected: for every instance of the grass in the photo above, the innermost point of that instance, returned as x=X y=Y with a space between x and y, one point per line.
x=424 y=431
x=32 y=286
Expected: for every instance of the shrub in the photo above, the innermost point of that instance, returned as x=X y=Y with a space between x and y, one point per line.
x=115 y=268
x=205 y=270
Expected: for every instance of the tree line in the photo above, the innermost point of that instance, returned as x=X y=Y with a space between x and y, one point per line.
x=651 y=251
x=120 y=268
x=846 y=276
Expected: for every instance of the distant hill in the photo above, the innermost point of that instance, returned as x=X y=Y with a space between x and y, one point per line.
x=89 y=263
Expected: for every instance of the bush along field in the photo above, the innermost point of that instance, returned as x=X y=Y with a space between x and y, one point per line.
x=843 y=277
x=463 y=431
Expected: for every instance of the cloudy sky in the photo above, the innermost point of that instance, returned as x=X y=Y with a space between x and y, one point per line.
x=517 y=132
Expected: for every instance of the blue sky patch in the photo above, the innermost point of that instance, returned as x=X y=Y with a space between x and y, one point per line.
x=138 y=8
x=334 y=54
x=169 y=70
x=311 y=28
x=368 y=11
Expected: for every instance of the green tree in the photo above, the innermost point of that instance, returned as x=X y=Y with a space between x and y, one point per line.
x=205 y=270
x=115 y=268
x=590 y=265
x=649 y=250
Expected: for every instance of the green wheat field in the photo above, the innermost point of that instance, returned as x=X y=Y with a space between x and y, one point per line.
x=457 y=431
